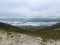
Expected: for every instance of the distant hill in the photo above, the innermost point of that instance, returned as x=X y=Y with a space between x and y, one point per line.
x=52 y=32
x=8 y=27
x=44 y=20
x=55 y=26
x=32 y=19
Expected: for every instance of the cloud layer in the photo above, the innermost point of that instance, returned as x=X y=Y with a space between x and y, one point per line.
x=30 y=8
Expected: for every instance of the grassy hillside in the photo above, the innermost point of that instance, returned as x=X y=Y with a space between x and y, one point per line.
x=10 y=28
x=52 y=32
x=47 y=33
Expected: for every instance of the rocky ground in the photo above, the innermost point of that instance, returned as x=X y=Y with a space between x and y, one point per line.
x=11 y=38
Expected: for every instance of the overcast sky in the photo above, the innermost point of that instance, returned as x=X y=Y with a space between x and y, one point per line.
x=30 y=8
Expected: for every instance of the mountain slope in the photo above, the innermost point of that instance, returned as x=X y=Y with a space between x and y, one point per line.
x=47 y=33
x=12 y=38
x=56 y=26
x=7 y=27
x=52 y=32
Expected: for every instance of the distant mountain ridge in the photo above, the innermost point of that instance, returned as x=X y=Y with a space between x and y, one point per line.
x=44 y=20
x=32 y=19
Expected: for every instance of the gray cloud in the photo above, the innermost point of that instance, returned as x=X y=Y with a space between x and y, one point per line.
x=30 y=8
